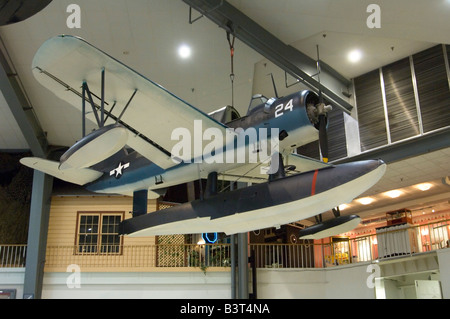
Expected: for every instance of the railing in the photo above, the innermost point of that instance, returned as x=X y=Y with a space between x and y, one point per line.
x=400 y=240
x=284 y=255
x=12 y=256
x=387 y=243
x=141 y=257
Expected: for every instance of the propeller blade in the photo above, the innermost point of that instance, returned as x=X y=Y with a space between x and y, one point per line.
x=323 y=137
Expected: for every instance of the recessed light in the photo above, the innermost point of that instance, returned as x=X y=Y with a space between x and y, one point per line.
x=394 y=193
x=366 y=200
x=184 y=51
x=354 y=56
x=424 y=187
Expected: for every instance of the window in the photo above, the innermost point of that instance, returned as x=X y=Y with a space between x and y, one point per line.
x=256 y=100
x=98 y=233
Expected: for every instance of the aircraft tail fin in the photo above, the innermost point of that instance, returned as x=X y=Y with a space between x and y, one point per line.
x=79 y=176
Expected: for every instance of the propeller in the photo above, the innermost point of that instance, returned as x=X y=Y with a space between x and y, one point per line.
x=322 y=111
x=323 y=137
x=323 y=131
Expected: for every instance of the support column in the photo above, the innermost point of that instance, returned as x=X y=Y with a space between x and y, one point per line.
x=243 y=266
x=233 y=266
x=140 y=201
x=37 y=235
x=233 y=253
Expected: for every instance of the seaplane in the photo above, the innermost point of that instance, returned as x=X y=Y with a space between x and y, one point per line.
x=148 y=140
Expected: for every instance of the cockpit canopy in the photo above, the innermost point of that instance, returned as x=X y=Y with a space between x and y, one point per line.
x=225 y=114
x=258 y=101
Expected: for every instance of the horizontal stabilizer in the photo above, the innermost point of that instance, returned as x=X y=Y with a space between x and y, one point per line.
x=79 y=176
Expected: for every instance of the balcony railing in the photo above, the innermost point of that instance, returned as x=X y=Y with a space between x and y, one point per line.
x=142 y=257
x=396 y=241
x=12 y=256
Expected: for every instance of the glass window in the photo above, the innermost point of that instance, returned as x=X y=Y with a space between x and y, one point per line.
x=99 y=233
x=257 y=100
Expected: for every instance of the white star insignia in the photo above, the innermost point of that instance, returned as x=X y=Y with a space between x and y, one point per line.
x=119 y=170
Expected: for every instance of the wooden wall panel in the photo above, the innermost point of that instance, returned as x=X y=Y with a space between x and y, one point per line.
x=63 y=216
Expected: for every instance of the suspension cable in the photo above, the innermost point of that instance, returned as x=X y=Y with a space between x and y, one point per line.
x=231 y=43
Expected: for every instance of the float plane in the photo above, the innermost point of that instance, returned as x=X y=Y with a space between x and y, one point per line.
x=148 y=139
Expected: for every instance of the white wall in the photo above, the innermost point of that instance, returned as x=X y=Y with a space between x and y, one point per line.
x=444 y=269
x=349 y=282
x=344 y=282
x=290 y=283
x=12 y=278
x=138 y=285
x=330 y=283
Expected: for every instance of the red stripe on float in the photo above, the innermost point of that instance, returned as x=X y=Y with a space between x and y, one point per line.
x=313 y=186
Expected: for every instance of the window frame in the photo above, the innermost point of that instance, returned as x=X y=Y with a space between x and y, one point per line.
x=99 y=242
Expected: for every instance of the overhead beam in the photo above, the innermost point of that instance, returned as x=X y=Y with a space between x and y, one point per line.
x=300 y=66
x=429 y=142
x=20 y=108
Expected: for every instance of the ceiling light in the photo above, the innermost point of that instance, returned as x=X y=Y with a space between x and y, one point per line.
x=366 y=200
x=184 y=51
x=343 y=206
x=354 y=56
x=424 y=187
x=394 y=193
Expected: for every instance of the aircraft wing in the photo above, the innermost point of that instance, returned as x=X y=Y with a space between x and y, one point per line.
x=146 y=109
x=257 y=173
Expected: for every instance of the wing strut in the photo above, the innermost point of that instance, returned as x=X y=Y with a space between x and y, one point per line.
x=86 y=92
x=126 y=106
x=140 y=202
x=277 y=169
x=211 y=185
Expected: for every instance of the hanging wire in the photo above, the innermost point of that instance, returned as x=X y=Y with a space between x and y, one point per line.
x=231 y=39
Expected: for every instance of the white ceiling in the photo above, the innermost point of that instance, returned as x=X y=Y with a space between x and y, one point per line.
x=145 y=35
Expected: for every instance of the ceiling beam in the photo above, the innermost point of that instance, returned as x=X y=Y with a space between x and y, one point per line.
x=390 y=153
x=297 y=64
x=21 y=108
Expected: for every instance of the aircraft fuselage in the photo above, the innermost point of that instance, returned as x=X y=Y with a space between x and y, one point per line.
x=287 y=116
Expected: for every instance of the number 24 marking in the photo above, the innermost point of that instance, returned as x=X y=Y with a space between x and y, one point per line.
x=281 y=108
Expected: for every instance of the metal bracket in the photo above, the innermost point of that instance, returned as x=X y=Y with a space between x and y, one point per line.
x=198 y=18
x=286 y=81
x=158 y=180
